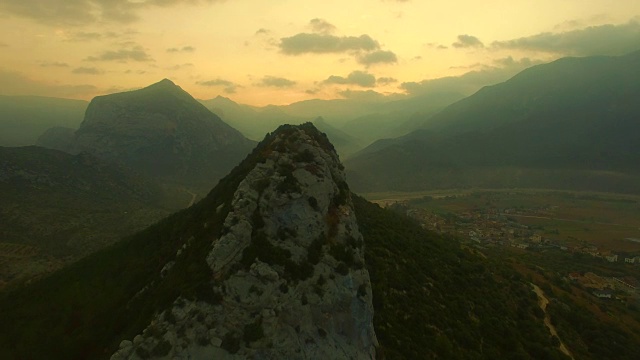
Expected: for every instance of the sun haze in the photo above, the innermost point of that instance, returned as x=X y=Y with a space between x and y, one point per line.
x=279 y=52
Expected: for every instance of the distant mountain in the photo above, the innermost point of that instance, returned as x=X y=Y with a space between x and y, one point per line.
x=570 y=124
x=24 y=118
x=162 y=131
x=58 y=138
x=58 y=207
x=271 y=264
x=349 y=123
x=253 y=122
x=399 y=117
x=344 y=143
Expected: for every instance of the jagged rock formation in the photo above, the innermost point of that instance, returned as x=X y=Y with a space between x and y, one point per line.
x=163 y=131
x=289 y=280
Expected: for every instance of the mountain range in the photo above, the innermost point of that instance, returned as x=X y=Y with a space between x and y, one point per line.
x=280 y=260
x=569 y=124
x=350 y=123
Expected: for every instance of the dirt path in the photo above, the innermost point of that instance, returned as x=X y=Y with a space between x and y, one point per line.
x=543 y=302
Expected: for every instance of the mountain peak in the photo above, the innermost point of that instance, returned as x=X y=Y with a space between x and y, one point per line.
x=166 y=86
x=165 y=83
x=162 y=130
x=287 y=274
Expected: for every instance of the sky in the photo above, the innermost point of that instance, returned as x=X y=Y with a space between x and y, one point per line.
x=261 y=52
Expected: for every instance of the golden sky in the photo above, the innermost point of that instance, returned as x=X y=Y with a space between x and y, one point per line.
x=263 y=52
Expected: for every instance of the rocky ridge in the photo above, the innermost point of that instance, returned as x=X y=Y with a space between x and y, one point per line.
x=288 y=275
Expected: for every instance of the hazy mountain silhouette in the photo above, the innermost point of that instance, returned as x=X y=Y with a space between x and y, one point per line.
x=572 y=123
x=253 y=122
x=349 y=123
x=24 y=118
x=399 y=117
x=162 y=131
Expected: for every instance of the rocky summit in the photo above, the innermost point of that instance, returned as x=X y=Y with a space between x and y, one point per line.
x=288 y=276
x=163 y=131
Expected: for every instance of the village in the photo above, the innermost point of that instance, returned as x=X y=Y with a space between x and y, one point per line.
x=488 y=228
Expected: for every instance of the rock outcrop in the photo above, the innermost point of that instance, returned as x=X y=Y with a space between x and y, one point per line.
x=288 y=275
x=161 y=130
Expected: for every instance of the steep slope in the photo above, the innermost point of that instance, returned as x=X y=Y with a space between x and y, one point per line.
x=270 y=264
x=24 y=118
x=58 y=207
x=569 y=124
x=288 y=268
x=162 y=131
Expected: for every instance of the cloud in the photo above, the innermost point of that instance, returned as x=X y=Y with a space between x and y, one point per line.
x=139 y=72
x=594 y=40
x=228 y=86
x=53 y=64
x=263 y=31
x=136 y=53
x=378 y=57
x=86 y=12
x=321 y=26
x=323 y=43
x=3 y=44
x=467 y=41
x=15 y=83
x=85 y=36
x=386 y=80
x=188 y=49
x=87 y=71
x=470 y=82
x=357 y=77
x=366 y=95
x=180 y=66
x=279 y=82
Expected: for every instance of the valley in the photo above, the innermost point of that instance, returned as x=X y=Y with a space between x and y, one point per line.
x=575 y=248
x=596 y=223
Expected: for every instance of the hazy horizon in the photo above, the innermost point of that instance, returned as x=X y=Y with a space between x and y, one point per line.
x=282 y=52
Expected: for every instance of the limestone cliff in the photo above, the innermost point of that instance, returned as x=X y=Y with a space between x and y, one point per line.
x=288 y=275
